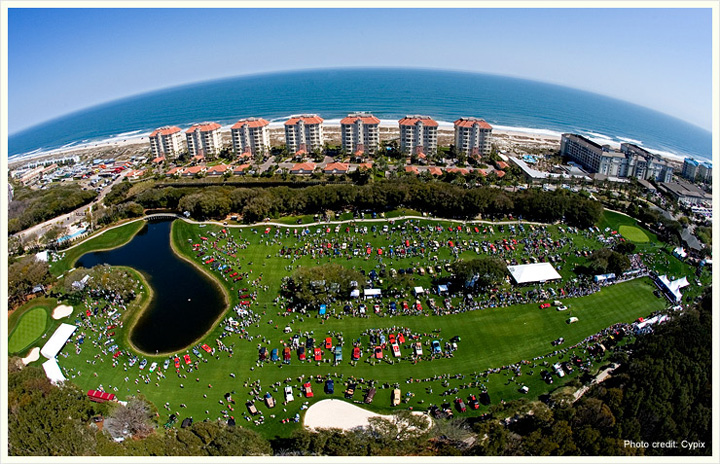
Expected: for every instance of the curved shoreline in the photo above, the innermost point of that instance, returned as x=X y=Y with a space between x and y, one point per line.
x=135 y=314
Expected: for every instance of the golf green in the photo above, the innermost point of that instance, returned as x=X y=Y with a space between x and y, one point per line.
x=634 y=234
x=31 y=326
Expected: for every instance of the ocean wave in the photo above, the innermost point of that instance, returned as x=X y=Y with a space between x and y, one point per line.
x=125 y=134
x=528 y=130
x=629 y=140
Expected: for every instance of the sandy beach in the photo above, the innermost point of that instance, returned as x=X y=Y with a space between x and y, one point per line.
x=339 y=414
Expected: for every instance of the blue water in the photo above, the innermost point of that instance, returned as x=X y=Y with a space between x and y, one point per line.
x=388 y=93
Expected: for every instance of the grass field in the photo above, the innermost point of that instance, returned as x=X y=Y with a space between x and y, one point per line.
x=634 y=234
x=491 y=338
x=29 y=327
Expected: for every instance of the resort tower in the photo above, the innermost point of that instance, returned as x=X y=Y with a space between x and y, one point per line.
x=204 y=139
x=166 y=141
x=304 y=133
x=360 y=133
x=418 y=134
x=472 y=137
x=251 y=136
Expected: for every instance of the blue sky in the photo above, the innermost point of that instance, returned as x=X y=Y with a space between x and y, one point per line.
x=63 y=60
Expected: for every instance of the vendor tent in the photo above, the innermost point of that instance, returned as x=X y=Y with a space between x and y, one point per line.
x=672 y=289
x=355 y=293
x=530 y=273
x=100 y=396
x=53 y=372
x=418 y=291
x=57 y=341
x=372 y=293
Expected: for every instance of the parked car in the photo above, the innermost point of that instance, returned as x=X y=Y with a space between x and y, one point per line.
x=436 y=347
x=308 y=390
x=473 y=402
x=269 y=400
x=251 y=408
x=329 y=386
x=288 y=394
x=460 y=405
x=395 y=397
x=370 y=395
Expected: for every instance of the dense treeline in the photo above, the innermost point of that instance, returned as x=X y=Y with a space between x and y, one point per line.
x=30 y=207
x=662 y=392
x=439 y=199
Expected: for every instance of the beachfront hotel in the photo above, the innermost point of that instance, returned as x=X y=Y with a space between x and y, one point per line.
x=472 y=137
x=630 y=161
x=166 y=141
x=251 y=136
x=204 y=139
x=304 y=133
x=360 y=133
x=695 y=170
x=418 y=134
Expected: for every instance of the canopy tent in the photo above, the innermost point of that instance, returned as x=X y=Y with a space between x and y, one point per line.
x=418 y=291
x=679 y=252
x=372 y=293
x=672 y=289
x=57 y=341
x=355 y=293
x=442 y=289
x=604 y=277
x=529 y=273
x=53 y=372
x=100 y=396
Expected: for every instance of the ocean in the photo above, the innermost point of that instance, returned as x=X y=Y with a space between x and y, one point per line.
x=505 y=102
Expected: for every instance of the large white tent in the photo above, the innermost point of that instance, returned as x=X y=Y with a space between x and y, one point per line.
x=53 y=372
x=529 y=273
x=57 y=341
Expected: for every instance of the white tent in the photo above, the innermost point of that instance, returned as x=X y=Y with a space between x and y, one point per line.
x=355 y=293
x=418 y=291
x=528 y=273
x=57 y=341
x=372 y=293
x=673 y=288
x=53 y=372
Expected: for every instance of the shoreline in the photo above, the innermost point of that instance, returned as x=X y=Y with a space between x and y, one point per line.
x=390 y=126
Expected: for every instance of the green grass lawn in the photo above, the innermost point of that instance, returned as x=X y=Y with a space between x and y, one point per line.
x=491 y=338
x=29 y=324
x=111 y=238
x=634 y=234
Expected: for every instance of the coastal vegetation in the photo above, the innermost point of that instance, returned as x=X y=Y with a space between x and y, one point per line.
x=32 y=206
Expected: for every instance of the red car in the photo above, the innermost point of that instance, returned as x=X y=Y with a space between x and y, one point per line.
x=378 y=352
x=206 y=348
x=187 y=359
x=401 y=338
x=544 y=305
x=356 y=353
x=118 y=353
x=301 y=353
x=308 y=390
x=286 y=353
x=328 y=343
x=404 y=305
x=460 y=405
x=391 y=338
x=318 y=354
x=473 y=402
x=177 y=363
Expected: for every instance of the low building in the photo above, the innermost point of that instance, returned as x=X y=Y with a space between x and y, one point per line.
x=166 y=141
x=685 y=192
x=336 y=168
x=193 y=171
x=250 y=135
x=217 y=170
x=302 y=168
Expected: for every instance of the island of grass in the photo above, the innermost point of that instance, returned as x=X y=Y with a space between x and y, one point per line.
x=501 y=347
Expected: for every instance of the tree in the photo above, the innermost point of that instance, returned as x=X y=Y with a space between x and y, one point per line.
x=25 y=274
x=133 y=419
x=479 y=273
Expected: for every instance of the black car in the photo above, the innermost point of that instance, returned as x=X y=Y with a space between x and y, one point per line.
x=485 y=398
x=546 y=376
x=473 y=402
x=310 y=343
x=329 y=386
x=350 y=390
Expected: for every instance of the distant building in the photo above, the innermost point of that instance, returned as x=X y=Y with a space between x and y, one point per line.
x=360 y=133
x=302 y=168
x=704 y=172
x=690 y=168
x=472 y=137
x=204 y=139
x=630 y=161
x=336 y=168
x=166 y=141
x=304 y=133
x=251 y=136
x=418 y=134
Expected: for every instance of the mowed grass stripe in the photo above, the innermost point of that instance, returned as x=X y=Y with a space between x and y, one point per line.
x=29 y=328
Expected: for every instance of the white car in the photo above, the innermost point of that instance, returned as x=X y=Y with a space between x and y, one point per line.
x=153 y=366
x=288 y=394
x=562 y=308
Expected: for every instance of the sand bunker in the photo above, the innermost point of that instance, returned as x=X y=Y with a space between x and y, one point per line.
x=340 y=415
x=62 y=311
x=33 y=355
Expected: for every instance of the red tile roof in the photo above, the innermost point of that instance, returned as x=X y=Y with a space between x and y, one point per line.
x=365 y=118
x=203 y=127
x=159 y=159
x=412 y=169
x=367 y=165
x=336 y=167
x=462 y=171
x=500 y=173
x=175 y=170
x=250 y=122
x=167 y=130
x=501 y=165
x=307 y=118
x=220 y=168
x=303 y=167
x=245 y=154
x=435 y=171
x=194 y=169
x=412 y=120
x=241 y=168
x=470 y=122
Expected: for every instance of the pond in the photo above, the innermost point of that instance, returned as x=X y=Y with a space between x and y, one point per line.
x=185 y=302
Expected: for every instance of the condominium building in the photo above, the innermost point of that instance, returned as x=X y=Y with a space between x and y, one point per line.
x=166 y=141
x=204 y=139
x=418 y=134
x=360 y=133
x=304 y=133
x=630 y=161
x=251 y=135
x=472 y=137
x=690 y=168
x=704 y=173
